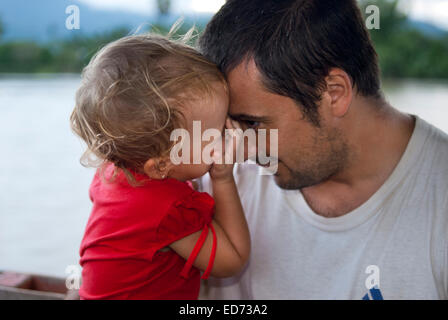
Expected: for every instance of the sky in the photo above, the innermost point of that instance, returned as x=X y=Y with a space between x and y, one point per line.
x=433 y=11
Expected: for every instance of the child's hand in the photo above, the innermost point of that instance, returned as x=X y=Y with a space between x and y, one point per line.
x=232 y=232
x=222 y=168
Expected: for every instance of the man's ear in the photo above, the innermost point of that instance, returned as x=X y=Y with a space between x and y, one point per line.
x=340 y=91
x=158 y=168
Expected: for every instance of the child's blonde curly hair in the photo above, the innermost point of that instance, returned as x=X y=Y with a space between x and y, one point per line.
x=130 y=99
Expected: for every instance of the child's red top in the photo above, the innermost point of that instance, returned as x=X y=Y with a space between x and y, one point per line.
x=128 y=225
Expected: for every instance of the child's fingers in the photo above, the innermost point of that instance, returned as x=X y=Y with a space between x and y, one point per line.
x=217 y=156
x=232 y=124
x=239 y=150
x=250 y=148
x=233 y=143
x=229 y=124
x=236 y=124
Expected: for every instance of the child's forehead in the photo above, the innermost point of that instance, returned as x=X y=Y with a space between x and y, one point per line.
x=211 y=109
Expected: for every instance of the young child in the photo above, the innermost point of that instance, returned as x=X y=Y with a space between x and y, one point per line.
x=150 y=233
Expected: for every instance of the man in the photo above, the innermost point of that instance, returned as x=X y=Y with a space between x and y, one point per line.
x=358 y=208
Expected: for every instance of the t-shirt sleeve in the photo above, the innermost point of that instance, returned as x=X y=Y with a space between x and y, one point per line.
x=186 y=216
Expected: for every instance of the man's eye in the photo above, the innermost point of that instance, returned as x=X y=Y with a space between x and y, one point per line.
x=251 y=124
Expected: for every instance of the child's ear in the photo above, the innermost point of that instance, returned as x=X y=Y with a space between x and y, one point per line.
x=158 y=168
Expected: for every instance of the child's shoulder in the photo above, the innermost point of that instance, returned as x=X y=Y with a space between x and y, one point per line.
x=160 y=211
x=170 y=190
x=157 y=194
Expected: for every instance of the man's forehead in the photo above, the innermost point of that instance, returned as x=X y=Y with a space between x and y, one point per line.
x=247 y=70
x=246 y=90
x=251 y=100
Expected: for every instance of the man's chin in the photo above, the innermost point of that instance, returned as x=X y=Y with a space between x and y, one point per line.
x=282 y=176
x=283 y=183
x=291 y=182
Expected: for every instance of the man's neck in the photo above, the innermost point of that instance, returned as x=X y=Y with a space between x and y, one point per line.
x=378 y=136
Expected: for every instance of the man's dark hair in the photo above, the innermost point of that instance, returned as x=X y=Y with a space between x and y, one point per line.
x=294 y=44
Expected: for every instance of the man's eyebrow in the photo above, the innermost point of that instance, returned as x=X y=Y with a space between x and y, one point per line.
x=246 y=117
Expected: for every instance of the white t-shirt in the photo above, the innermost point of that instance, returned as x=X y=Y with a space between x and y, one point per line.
x=397 y=241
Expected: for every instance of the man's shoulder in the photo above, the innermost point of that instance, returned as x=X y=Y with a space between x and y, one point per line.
x=429 y=145
x=434 y=148
x=437 y=138
x=432 y=167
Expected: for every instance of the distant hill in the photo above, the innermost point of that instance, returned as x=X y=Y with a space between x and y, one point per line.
x=44 y=20
x=427 y=28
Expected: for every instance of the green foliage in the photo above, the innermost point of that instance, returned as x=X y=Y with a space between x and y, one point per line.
x=59 y=56
x=403 y=51
x=23 y=57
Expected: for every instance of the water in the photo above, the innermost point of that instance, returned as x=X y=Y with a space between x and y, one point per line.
x=427 y=99
x=44 y=203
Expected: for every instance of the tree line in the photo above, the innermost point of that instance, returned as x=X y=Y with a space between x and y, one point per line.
x=404 y=51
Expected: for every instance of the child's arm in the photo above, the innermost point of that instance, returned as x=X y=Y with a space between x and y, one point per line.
x=232 y=233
